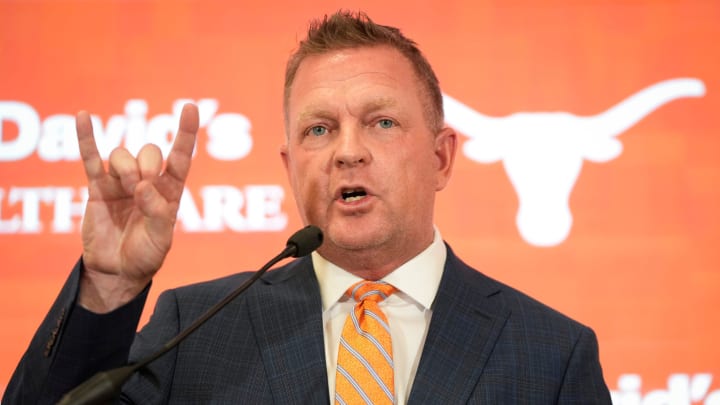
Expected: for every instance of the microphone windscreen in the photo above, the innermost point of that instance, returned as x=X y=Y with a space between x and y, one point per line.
x=306 y=240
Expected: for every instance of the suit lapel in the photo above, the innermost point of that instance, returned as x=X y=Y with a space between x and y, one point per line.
x=286 y=313
x=465 y=325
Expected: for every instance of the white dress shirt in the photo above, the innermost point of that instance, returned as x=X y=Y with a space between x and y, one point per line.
x=408 y=310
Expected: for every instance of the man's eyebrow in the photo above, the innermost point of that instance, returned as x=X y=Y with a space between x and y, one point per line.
x=379 y=104
x=311 y=112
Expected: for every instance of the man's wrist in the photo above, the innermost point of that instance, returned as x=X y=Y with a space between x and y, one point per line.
x=102 y=292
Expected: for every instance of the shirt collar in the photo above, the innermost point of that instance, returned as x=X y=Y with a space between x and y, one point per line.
x=418 y=278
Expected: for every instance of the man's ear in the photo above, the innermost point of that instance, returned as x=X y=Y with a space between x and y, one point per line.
x=445 y=148
x=284 y=155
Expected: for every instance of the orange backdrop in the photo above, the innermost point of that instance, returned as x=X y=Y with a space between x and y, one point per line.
x=638 y=262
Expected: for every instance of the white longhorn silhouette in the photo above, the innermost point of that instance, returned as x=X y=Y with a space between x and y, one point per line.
x=542 y=152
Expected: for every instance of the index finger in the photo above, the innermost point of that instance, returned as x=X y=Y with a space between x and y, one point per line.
x=92 y=162
x=178 y=161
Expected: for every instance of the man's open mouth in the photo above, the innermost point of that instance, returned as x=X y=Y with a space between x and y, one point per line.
x=353 y=195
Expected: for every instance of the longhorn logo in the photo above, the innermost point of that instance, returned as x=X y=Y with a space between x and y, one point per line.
x=542 y=152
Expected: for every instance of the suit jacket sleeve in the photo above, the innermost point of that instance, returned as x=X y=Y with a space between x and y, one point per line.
x=583 y=382
x=71 y=345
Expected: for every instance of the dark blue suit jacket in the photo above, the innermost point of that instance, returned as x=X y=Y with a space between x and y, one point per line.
x=487 y=344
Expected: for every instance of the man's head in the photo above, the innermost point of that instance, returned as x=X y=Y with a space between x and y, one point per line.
x=345 y=30
x=363 y=158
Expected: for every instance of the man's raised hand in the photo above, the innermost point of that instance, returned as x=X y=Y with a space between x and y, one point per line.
x=131 y=211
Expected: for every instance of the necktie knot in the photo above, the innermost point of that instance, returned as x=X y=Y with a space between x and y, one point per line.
x=375 y=291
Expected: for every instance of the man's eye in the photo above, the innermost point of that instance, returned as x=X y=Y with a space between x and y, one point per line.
x=386 y=123
x=318 y=130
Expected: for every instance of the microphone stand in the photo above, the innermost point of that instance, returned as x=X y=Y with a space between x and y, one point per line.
x=105 y=386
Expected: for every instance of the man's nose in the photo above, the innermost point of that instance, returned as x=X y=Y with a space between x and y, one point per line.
x=352 y=149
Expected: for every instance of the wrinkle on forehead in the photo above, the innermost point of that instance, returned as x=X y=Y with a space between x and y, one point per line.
x=325 y=73
x=321 y=110
x=338 y=59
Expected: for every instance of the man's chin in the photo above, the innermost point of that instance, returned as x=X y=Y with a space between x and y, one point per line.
x=355 y=240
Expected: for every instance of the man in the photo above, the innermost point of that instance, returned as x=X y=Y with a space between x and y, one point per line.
x=366 y=151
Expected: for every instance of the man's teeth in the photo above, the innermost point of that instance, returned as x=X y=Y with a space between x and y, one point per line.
x=353 y=198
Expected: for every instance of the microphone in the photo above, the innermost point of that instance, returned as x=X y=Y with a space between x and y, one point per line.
x=106 y=385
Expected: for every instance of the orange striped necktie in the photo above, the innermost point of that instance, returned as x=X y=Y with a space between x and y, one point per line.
x=365 y=364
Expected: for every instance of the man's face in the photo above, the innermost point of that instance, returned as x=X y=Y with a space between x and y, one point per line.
x=362 y=162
